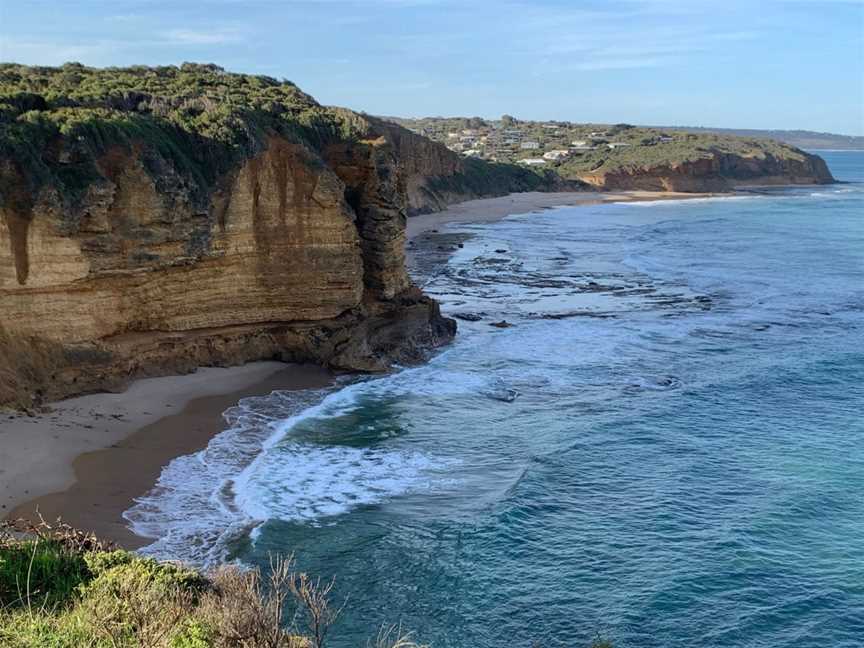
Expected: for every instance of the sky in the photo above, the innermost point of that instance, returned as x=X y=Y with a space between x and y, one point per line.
x=784 y=64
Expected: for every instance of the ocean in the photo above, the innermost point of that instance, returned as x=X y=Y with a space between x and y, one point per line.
x=663 y=446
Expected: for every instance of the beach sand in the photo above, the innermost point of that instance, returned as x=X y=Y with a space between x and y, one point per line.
x=493 y=209
x=87 y=458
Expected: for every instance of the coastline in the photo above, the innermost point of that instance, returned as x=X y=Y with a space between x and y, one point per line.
x=89 y=457
x=485 y=210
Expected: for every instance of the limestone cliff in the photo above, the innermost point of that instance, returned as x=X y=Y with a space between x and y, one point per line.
x=123 y=257
x=714 y=171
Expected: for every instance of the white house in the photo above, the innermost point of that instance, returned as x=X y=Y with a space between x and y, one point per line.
x=532 y=161
x=617 y=145
x=556 y=155
x=530 y=145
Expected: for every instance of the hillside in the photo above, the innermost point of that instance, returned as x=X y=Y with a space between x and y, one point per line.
x=623 y=156
x=156 y=219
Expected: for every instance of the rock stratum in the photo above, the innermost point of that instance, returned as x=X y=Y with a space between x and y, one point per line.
x=153 y=220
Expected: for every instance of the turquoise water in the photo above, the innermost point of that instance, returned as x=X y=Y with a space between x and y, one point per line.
x=665 y=448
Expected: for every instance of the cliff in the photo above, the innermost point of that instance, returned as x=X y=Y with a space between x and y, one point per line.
x=437 y=177
x=153 y=220
x=713 y=171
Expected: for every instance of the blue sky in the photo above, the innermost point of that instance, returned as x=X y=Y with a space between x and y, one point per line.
x=734 y=63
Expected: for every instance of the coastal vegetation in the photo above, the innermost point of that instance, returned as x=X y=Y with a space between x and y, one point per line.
x=63 y=588
x=201 y=119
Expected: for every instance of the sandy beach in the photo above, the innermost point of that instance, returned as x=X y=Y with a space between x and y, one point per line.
x=87 y=458
x=492 y=209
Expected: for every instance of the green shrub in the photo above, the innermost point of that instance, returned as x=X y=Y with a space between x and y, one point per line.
x=118 y=570
x=193 y=634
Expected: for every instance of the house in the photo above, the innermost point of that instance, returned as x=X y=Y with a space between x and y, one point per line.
x=532 y=161
x=596 y=134
x=665 y=138
x=579 y=143
x=529 y=145
x=617 y=145
x=558 y=154
x=472 y=153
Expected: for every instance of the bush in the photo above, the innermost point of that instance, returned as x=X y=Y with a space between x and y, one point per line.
x=86 y=594
x=117 y=569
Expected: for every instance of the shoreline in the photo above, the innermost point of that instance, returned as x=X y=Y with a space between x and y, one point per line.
x=89 y=457
x=486 y=210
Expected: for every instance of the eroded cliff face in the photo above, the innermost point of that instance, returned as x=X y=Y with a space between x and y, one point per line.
x=294 y=254
x=436 y=177
x=720 y=172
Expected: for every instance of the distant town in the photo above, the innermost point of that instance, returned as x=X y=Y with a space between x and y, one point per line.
x=553 y=143
x=531 y=143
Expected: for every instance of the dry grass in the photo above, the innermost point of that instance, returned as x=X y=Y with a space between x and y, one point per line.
x=394 y=637
x=246 y=610
x=57 y=532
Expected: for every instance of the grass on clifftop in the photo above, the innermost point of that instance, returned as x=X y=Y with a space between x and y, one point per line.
x=62 y=588
x=683 y=148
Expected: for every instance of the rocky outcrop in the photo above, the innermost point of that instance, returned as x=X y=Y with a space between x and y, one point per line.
x=293 y=255
x=716 y=172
